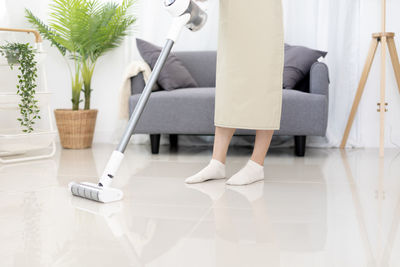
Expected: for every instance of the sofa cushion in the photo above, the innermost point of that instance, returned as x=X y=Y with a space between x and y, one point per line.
x=298 y=62
x=174 y=74
x=189 y=110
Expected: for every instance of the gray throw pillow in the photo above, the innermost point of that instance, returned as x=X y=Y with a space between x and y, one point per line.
x=298 y=62
x=174 y=74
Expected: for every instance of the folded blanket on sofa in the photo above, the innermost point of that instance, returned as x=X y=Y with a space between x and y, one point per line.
x=132 y=70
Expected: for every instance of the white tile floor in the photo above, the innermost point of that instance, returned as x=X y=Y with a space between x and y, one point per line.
x=325 y=210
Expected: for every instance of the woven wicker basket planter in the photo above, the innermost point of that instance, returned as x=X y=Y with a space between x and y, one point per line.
x=76 y=127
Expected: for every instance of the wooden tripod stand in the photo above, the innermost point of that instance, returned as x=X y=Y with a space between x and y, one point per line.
x=387 y=40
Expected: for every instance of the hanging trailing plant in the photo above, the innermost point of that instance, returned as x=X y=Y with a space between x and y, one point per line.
x=24 y=56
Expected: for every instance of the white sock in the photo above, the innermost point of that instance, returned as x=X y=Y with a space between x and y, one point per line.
x=250 y=173
x=214 y=170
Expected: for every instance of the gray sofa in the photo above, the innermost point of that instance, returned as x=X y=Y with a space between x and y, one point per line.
x=191 y=110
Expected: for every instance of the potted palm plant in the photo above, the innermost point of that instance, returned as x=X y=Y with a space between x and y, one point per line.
x=82 y=31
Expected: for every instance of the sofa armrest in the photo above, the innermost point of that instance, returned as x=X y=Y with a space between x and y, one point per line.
x=319 y=79
x=137 y=84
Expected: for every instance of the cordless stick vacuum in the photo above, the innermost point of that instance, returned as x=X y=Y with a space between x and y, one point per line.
x=185 y=13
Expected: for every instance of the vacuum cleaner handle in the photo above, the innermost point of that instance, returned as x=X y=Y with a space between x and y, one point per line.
x=177 y=8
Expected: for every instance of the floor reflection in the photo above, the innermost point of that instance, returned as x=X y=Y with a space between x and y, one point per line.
x=280 y=218
x=80 y=164
x=242 y=251
x=379 y=248
x=331 y=208
x=28 y=176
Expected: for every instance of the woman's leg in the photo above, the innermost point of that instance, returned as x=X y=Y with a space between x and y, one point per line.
x=216 y=168
x=253 y=171
x=223 y=137
x=261 y=145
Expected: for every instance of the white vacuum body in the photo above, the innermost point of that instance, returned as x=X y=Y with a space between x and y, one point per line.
x=177 y=8
x=186 y=13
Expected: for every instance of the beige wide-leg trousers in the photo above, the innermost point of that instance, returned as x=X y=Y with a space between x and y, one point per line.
x=249 y=65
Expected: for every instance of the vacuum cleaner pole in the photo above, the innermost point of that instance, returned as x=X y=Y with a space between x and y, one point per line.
x=145 y=96
x=177 y=25
x=185 y=13
x=118 y=155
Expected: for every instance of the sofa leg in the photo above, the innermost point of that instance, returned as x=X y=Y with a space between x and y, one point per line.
x=173 y=141
x=300 y=145
x=155 y=143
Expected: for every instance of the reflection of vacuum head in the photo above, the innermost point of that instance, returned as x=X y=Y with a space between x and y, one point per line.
x=107 y=212
x=92 y=207
x=178 y=8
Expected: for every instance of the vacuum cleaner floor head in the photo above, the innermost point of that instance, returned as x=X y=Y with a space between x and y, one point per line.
x=95 y=192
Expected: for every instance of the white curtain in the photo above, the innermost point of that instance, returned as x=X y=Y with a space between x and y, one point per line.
x=333 y=26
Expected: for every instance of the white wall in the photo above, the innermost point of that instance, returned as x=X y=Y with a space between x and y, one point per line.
x=154 y=22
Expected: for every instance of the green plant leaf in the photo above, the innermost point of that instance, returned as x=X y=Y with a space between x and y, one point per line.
x=83 y=31
x=24 y=55
x=45 y=31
